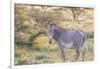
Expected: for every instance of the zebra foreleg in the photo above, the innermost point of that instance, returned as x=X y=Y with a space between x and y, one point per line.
x=62 y=54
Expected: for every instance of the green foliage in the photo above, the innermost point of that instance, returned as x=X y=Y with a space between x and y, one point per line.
x=90 y=35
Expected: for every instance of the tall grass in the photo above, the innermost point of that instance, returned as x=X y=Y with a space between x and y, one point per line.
x=49 y=54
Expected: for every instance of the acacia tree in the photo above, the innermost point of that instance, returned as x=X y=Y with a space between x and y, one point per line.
x=75 y=12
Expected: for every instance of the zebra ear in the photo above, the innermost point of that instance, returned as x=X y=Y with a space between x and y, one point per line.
x=50 y=23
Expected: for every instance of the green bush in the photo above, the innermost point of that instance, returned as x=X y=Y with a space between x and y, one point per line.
x=90 y=35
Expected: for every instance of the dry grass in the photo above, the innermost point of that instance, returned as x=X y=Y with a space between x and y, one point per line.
x=51 y=54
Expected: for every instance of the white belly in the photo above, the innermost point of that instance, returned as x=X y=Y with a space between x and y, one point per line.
x=68 y=45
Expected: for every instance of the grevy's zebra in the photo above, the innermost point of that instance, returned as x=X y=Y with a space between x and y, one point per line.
x=74 y=39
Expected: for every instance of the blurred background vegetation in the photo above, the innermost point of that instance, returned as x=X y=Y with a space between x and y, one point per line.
x=31 y=38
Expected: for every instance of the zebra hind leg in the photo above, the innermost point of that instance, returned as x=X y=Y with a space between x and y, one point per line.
x=77 y=54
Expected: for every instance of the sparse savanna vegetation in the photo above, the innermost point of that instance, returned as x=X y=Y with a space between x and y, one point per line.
x=31 y=38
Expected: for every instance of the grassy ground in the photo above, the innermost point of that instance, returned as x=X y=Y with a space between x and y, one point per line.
x=50 y=55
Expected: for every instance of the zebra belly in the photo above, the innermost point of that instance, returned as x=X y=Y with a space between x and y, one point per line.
x=68 y=45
